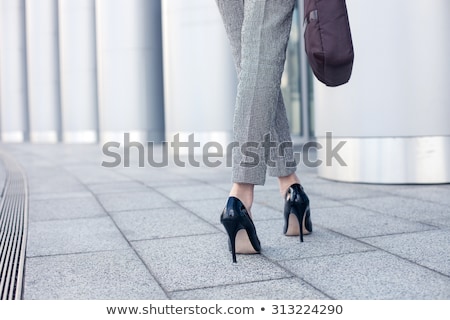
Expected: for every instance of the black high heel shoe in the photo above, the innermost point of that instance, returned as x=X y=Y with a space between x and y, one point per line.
x=235 y=217
x=296 y=205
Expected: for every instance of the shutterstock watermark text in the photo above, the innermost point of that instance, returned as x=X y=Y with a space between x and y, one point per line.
x=213 y=154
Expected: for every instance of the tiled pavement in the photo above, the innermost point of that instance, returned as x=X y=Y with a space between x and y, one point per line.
x=154 y=233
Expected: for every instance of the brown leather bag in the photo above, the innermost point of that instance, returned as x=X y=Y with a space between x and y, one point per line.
x=328 y=41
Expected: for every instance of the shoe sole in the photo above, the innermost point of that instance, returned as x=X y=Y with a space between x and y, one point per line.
x=243 y=244
x=294 y=228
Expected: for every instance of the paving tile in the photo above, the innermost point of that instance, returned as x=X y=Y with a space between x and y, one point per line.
x=370 y=276
x=339 y=191
x=441 y=223
x=225 y=185
x=91 y=174
x=65 y=208
x=429 y=248
x=281 y=289
x=50 y=185
x=204 y=174
x=211 y=177
x=134 y=201
x=47 y=172
x=400 y=231
x=406 y=208
x=317 y=202
x=117 y=187
x=111 y=275
x=207 y=209
x=274 y=200
x=60 y=195
x=73 y=236
x=434 y=193
x=357 y=222
x=160 y=223
x=387 y=188
x=155 y=182
x=276 y=246
x=194 y=262
x=262 y=212
x=154 y=176
x=211 y=209
x=269 y=198
x=2 y=174
x=193 y=192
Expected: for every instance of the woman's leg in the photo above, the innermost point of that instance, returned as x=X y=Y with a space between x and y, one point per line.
x=232 y=12
x=259 y=31
x=259 y=113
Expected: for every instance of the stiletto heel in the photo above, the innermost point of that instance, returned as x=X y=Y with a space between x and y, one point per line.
x=232 y=228
x=234 y=218
x=297 y=206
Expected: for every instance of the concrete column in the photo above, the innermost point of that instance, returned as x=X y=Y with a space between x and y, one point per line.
x=199 y=75
x=13 y=72
x=43 y=70
x=130 y=69
x=393 y=115
x=77 y=51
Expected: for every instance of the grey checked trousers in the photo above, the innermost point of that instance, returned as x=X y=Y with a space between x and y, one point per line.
x=258 y=31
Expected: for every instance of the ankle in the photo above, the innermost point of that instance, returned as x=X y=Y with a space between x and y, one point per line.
x=286 y=182
x=244 y=192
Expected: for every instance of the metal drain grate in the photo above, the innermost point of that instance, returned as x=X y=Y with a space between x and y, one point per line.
x=13 y=229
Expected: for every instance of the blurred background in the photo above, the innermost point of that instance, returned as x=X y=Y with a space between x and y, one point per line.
x=88 y=71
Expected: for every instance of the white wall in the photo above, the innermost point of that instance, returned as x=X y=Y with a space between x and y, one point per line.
x=394 y=113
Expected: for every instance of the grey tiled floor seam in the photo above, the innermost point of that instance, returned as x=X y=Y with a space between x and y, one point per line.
x=124 y=237
x=133 y=248
x=215 y=226
x=284 y=266
x=376 y=248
